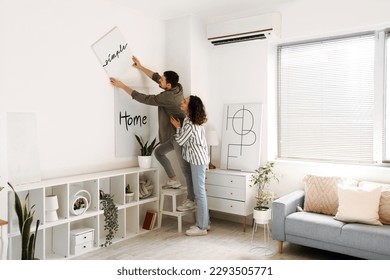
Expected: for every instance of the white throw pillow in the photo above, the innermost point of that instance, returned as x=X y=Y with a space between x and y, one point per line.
x=359 y=205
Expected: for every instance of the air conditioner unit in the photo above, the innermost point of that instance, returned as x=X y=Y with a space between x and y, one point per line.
x=244 y=29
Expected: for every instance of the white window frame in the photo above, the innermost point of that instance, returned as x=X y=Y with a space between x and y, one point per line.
x=379 y=97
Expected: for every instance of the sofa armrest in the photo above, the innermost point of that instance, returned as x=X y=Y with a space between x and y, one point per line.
x=281 y=208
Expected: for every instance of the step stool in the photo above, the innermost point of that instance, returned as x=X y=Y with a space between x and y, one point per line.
x=173 y=193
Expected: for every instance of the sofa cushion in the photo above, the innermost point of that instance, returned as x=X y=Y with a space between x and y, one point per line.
x=321 y=193
x=367 y=237
x=359 y=205
x=384 y=203
x=314 y=226
x=384 y=206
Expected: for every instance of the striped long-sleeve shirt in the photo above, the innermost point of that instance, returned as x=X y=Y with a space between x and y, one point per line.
x=192 y=138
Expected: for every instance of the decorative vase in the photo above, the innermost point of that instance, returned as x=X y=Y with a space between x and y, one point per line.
x=51 y=204
x=145 y=161
x=262 y=216
x=80 y=202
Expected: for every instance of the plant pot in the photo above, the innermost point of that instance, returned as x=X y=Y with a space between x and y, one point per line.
x=145 y=161
x=262 y=216
x=129 y=197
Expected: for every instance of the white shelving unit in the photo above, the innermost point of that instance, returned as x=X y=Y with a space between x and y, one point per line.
x=54 y=238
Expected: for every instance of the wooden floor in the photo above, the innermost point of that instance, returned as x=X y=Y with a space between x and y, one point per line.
x=225 y=241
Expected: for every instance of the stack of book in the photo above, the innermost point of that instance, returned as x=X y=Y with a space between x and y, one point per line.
x=150 y=220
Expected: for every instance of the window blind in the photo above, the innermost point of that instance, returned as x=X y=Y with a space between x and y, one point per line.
x=326 y=100
x=386 y=132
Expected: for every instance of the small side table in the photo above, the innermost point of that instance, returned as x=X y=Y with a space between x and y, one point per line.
x=3 y=240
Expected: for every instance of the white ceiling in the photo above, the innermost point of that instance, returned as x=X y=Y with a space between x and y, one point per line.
x=168 y=9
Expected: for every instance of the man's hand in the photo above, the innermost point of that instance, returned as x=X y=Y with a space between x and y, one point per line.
x=136 y=63
x=140 y=67
x=117 y=83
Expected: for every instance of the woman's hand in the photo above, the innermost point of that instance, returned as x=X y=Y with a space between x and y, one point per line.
x=175 y=122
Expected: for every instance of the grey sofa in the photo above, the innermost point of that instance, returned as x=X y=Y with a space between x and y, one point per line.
x=324 y=232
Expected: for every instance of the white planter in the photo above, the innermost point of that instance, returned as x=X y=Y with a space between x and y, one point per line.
x=262 y=216
x=129 y=197
x=145 y=161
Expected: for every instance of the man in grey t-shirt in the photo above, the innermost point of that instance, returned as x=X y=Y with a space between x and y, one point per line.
x=168 y=103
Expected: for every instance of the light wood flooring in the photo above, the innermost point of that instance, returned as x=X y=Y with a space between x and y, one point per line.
x=225 y=241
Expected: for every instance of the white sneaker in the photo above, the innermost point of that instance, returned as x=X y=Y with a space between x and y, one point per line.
x=195 y=231
x=186 y=206
x=208 y=227
x=172 y=184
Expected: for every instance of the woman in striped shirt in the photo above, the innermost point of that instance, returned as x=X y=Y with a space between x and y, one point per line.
x=191 y=136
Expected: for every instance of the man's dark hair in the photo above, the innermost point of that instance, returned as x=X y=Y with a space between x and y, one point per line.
x=172 y=78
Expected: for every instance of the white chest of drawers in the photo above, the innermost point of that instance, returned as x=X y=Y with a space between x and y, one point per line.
x=81 y=240
x=230 y=192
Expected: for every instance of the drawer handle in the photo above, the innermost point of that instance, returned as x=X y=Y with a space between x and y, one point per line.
x=84 y=246
x=85 y=237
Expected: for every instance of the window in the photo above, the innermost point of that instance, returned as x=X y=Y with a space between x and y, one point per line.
x=326 y=100
x=386 y=133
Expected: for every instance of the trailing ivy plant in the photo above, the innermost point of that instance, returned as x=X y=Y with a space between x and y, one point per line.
x=110 y=217
x=25 y=218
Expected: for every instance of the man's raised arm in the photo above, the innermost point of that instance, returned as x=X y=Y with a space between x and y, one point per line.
x=137 y=64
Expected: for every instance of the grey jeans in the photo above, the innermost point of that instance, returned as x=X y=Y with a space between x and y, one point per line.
x=160 y=153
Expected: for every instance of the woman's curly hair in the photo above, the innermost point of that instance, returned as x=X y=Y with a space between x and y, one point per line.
x=196 y=110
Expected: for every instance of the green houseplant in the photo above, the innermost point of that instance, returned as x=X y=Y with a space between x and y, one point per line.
x=25 y=218
x=261 y=179
x=146 y=150
x=110 y=211
x=145 y=159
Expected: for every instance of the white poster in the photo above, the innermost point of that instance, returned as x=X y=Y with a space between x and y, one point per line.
x=113 y=53
x=22 y=149
x=130 y=116
x=241 y=136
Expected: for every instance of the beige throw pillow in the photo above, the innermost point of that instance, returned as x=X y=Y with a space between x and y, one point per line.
x=359 y=205
x=321 y=193
x=384 y=206
x=384 y=203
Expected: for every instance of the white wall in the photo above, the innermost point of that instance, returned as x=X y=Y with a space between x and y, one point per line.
x=53 y=71
x=48 y=67
x=241 y=73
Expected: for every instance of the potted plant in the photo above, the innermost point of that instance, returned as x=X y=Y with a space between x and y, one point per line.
x=129 y=194
x=111 y=224
x=145 y=159
x=261 y=179
x=25 y=218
